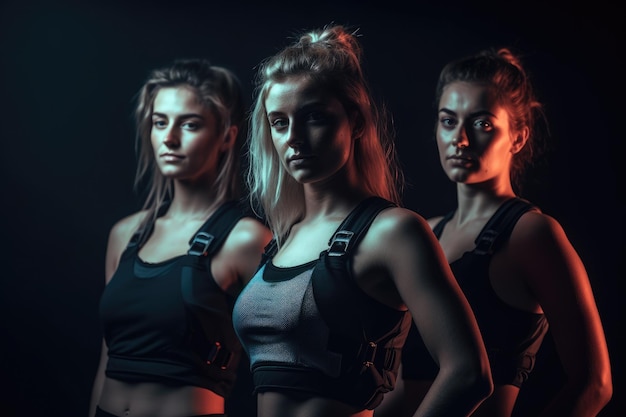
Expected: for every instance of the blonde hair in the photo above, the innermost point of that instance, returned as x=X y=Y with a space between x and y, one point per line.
x=331 y=55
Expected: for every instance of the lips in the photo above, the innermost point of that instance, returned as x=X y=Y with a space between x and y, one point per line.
x=169 y=156
x=296 y=158
x=460 y=161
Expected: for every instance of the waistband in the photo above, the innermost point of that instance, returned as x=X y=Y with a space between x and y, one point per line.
x=101 y=413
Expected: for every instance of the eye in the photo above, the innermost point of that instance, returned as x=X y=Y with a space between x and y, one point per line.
x=484 y=125
x=191 y=125
x=159 y=123
x=278 y=123
x=316 y=117
x=447 y=122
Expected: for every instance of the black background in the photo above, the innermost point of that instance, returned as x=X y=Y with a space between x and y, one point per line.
x=68 y=76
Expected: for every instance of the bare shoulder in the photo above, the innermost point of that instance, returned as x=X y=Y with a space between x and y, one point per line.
x=397 y=226
x=124 y=228
x=249 y=231
x=539 y=246
x=535 y=228
x=398 y=218
x=243 y=249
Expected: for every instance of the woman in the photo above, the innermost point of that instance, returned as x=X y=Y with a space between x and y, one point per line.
x=514 y=263
x=323 y=321
x=174 y=268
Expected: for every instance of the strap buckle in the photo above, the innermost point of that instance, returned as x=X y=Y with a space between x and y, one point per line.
x=339 y=243
x=219 y=356
x=368 y=354
x=200 y=244
x=485 y=244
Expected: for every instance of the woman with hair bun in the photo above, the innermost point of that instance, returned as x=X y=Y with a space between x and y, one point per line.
x=514 y=263
x=325 y=318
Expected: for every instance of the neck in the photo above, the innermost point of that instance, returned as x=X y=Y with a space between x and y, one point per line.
x=192 y=200
x=328 y=205
x=477 y=201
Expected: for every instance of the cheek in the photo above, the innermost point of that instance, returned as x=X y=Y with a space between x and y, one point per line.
x=442 y=142
x=497 y=148
x=279 y=148
x=203 y=148
x=276 y=142
x=155 y=140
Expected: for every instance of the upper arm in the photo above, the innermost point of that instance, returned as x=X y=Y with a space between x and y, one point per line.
x=416 y=263
x=556 y=276
x=245 y=247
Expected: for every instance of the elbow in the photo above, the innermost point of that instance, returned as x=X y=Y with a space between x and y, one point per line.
x=485 y=385
x=483 y=380
x=599 y=385
x=479 y=382
x=602 y=389
x=594 y=389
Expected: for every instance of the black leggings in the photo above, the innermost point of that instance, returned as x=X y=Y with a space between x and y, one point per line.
x=101 y=413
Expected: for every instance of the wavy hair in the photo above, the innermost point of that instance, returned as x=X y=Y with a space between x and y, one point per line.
x=220 y=91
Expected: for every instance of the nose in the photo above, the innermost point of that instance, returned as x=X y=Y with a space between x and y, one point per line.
x=171 y=137
x=294 y=136
x=460 y=139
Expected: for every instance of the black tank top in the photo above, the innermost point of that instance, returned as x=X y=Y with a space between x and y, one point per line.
x=170 y=322
x=512 y=336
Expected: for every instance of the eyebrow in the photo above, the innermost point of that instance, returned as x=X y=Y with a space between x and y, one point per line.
x=274 y=113
x=472 y=115
x=314 y=105
x=182 y=116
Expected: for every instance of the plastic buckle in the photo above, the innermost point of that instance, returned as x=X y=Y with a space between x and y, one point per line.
x=339 y=244
x=219 y=357
x=200 y=244
x=485 y=244
x=369 y=354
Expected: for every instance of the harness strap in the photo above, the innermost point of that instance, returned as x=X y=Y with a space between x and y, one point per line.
x=219 y=225
x=353 y=228
x=499 y=227
x=208 y=240
x=269 y=251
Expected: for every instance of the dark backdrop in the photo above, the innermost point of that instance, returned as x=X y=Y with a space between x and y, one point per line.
x=68 y=77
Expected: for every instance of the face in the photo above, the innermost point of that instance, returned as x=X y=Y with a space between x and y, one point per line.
x=310 y=128
x=473 y=137
x=184 y=135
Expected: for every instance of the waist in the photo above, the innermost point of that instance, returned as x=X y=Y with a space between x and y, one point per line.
x=173 y=373
x=149 y=399
x=280 y=403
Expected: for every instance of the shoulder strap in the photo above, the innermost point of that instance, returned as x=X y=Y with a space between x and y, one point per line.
x=269 y=251
x=141 y=234
x=210 y=237
x=499 y=227
x=351 y=230
x=440 y=225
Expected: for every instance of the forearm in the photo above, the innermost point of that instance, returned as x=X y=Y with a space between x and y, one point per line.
x=579 y=400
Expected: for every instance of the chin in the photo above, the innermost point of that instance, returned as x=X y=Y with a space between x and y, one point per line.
x=458 y=178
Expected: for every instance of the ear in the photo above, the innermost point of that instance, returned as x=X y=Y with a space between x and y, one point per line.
x=230 y=136
x=357 y=125
x=519 y=140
